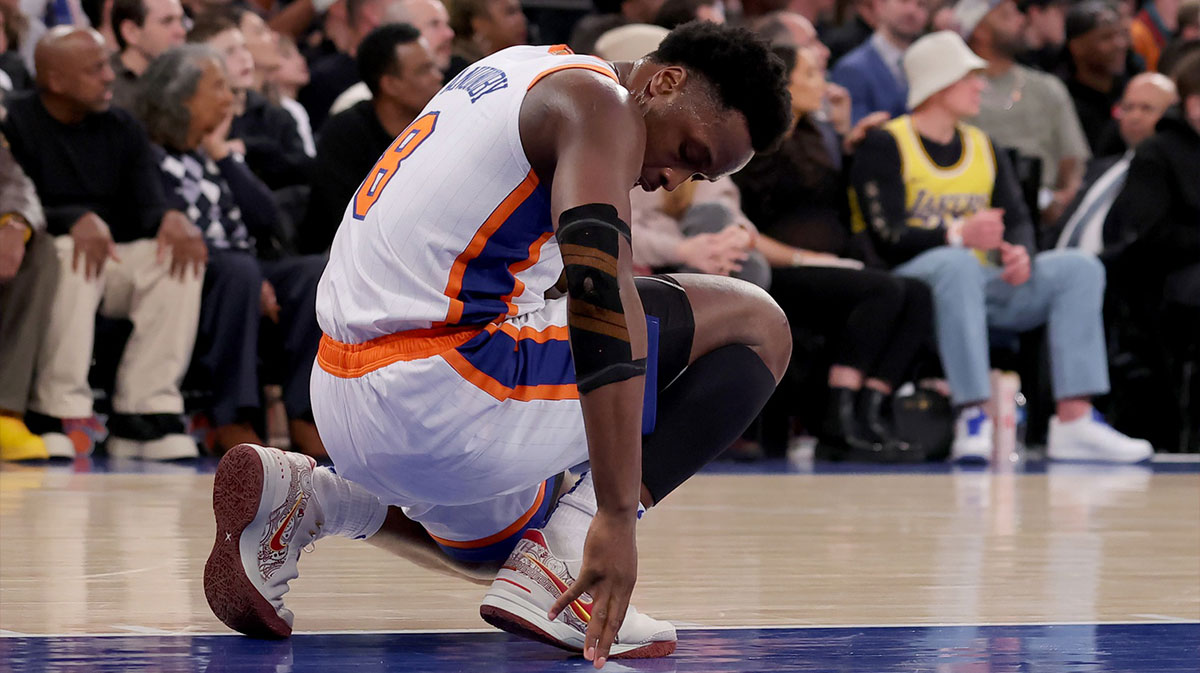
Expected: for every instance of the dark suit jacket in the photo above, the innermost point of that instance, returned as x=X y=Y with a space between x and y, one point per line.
x=871 y=84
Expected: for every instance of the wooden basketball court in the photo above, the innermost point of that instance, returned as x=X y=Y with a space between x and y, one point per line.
x=117 y=551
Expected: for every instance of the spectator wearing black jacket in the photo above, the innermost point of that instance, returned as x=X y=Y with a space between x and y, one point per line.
x=186 y=107
x=398 y=67
x=94 y=172
x=796 y=196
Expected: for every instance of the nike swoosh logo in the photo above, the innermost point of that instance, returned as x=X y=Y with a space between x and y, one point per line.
x=578 y=606
x=276 y=543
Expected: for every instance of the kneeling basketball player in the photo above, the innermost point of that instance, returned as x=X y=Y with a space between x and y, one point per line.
x=455 y=388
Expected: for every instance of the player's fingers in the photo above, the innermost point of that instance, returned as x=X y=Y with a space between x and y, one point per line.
x=574 y=591
x=595 y=628
x=612 y=624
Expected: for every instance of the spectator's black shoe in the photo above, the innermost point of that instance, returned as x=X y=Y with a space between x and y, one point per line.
x=842 y=427
x=871 y=418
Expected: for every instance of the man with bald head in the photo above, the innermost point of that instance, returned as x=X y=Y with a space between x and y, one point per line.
x=1146 y=99
x=120 y=250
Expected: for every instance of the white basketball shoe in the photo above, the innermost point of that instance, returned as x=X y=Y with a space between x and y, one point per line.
x=266 y=514
x=529 y=583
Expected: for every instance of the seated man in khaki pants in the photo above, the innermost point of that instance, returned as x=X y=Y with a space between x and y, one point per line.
x=119 y=249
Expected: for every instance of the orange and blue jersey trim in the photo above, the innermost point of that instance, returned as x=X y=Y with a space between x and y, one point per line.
x=497 y=547
x=482 y=282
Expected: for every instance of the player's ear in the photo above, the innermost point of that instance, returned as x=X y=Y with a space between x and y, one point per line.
x=668 y=81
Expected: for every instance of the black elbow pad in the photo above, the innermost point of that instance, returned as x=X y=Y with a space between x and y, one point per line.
x=589 y=239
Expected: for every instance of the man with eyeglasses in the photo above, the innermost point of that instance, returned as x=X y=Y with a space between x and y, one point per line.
x=1023 y=108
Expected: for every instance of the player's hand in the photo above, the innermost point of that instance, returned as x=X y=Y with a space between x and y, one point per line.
x=183 y=242
x=984 y=230
x=93 y=245
x=608 y=575
x=1015 y=259
x=712 y=253
x=12 y=251
x=268 y=303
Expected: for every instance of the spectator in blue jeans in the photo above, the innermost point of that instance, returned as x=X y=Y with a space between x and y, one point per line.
x=187 y=107
x=945 y=208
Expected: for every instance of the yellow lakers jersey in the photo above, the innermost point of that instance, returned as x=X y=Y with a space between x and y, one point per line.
x=935 y=195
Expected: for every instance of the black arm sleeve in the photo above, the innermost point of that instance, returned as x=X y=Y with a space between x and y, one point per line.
x=252 y=197
x=877 y=179
x=1006 y=194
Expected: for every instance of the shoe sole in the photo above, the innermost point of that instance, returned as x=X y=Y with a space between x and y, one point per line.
x=233 y=598
x=516 y=618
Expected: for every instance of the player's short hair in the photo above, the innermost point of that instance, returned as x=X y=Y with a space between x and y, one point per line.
x=165 y=88
x=1187 y=76
x=211 y=24
x=376 y=54
x=127 y=10
x=743 y=72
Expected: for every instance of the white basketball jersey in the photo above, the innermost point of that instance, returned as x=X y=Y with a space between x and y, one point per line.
x=451 y=227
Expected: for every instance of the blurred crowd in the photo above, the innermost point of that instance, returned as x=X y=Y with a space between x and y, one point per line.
x=968 y=187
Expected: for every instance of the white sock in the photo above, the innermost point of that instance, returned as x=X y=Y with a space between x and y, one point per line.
x=350 y=510
x=568 y=526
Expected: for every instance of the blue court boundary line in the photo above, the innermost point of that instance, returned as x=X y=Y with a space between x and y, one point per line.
x=684 y=626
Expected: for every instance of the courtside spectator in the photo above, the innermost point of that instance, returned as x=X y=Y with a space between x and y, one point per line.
x=1144 y=102
x=262 y=43
x=120 y=249
x=1097 y=44
x=872 y=72
x=1023 y=108
x=397 y=64
x=484 y=27
x=1153 y=229
x=143 y=29
x=187 y=106
x=28 y=276
x=796 y=195
x=789 y=28
x=945 y=208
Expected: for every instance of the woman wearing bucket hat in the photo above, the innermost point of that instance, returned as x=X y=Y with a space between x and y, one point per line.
x=945 y=208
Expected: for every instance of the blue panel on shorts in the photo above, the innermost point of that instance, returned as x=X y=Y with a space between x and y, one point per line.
x=650 y=398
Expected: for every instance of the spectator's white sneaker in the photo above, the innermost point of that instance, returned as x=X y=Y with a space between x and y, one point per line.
x=266 y=514
x=59 y=445
x=175 y=446
x=972 y=437
x=1089 y=438
x=529 y=583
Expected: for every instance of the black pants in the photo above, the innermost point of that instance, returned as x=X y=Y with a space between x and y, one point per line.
x=228 y=340
x=877 y=321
